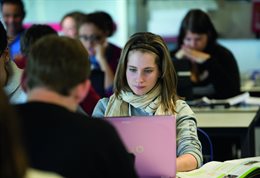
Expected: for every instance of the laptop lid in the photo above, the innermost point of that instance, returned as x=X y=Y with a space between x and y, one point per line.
x=152 y=139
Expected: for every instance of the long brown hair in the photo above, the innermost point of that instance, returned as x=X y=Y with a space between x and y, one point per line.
x=145 y=41
x=13 y=162
x=197 y=21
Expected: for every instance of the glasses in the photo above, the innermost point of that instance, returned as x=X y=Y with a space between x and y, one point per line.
x=92 y=38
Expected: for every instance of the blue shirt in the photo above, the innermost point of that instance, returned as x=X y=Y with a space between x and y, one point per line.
x=14 y=46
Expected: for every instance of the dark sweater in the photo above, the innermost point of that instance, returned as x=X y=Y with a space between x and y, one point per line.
x=71 y=144
x=223 y=72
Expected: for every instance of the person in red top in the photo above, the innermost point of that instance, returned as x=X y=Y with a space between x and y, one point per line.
x=69 y=26
x=94 y=31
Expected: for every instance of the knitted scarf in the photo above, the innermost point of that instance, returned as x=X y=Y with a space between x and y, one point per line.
x=150 y=103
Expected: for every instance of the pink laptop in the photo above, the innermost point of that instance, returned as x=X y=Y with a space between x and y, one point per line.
x=152 y=139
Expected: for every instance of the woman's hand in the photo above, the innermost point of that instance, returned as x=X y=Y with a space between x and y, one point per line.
x=100 y=50
x=186 y=162
x=192 y=54
x=179 y=54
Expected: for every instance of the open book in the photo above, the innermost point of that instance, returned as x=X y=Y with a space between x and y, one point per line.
x=240 y=168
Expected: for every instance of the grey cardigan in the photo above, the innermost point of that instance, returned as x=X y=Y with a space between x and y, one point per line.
x=187 y=139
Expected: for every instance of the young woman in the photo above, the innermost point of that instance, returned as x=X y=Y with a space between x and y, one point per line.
x=70 y=23
x=94 y=32
x=214 y=69
x=145 y=84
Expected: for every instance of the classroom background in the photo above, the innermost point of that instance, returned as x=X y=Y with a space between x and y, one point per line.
x=237 y=22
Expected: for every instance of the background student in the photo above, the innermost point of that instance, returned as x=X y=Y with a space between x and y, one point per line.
x=145 y=84
x=93 y=32
x=10 y=74
x=29 y=37
x=57 y=138
x=69 y=25
x=214 y=70
x=13 y=14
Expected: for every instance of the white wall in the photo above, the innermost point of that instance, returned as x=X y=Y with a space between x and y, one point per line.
x=165 y=16
x=51 y=11
x=232 y=19
x=246 y=52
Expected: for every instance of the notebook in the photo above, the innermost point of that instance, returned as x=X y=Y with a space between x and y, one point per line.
x=152 y=139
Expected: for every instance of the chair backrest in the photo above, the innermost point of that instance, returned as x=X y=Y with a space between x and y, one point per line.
x=207 y=146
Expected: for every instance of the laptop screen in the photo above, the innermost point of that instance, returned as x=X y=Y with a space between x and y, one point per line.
x=152 y=139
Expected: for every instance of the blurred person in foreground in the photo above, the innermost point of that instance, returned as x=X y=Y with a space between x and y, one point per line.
x=56 y=138
x=13 y=158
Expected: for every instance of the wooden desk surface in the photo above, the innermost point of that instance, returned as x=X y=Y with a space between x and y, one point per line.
x=225 y=118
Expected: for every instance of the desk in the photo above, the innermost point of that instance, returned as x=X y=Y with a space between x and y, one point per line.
x=225 y=118
x=251 y=88
x=228 y=129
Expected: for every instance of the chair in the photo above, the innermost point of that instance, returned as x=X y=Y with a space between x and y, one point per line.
x=207 y=146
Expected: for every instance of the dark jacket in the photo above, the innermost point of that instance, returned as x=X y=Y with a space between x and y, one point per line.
x=71 y=144
x=223 y=72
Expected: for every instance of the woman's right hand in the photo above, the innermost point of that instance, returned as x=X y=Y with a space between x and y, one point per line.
x=100 y=50
x=193 y=55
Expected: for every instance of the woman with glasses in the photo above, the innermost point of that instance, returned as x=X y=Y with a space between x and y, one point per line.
x=69 y=26
x=93 y=33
